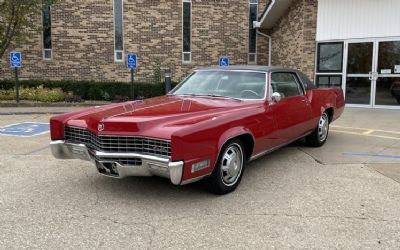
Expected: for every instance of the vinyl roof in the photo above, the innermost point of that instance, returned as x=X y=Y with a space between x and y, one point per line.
x=247 y=67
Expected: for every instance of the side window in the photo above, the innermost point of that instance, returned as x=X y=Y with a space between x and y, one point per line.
x=286 y=84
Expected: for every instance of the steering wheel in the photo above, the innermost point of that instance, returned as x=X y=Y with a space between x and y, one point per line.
x=251 y=92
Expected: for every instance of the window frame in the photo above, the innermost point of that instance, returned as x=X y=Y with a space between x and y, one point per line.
x=190 y=33
x=251 y=28
x=44 y=48
x=300 y=84
x=318 y=57
x=116 y=51
x=329 y=83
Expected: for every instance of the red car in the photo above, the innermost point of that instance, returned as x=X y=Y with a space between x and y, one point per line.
x=207 y=127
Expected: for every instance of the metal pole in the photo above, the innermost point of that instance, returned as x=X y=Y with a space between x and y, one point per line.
x=16 y=84
x=132 y=87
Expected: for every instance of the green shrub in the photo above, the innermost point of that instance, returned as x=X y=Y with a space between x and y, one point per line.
x=7 y=94
x=39 y=94
x=90 y=90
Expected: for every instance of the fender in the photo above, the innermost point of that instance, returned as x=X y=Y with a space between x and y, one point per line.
x=232 y=133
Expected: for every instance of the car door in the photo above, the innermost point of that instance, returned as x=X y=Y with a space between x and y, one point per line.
x=292 y=111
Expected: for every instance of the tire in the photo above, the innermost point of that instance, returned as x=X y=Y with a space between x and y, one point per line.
x=320 y=134
x=227 y=173
x=398 y=100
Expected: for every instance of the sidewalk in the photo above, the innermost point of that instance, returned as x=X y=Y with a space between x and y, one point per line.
x=11 y=108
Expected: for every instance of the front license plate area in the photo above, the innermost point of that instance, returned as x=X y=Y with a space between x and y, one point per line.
x=107 y=168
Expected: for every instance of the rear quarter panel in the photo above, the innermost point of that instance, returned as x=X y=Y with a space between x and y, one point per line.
x=325 y=98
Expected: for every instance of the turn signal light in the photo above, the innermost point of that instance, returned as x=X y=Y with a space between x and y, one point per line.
x=200 y=165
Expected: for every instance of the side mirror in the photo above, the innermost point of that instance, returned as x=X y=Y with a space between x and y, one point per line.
x=276 y=97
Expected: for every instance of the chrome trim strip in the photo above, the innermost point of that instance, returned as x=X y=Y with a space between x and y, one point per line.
x=188 y=181
x=118 y=135
x=254 y=157
x=132 y=155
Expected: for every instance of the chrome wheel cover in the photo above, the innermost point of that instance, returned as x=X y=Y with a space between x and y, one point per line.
x=231 y=164
x=323 y=127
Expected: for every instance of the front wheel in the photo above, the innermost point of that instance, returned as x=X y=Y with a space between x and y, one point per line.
x=228 y=170
x=319 y=136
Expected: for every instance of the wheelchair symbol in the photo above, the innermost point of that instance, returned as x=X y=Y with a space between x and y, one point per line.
x=15 y=58
x=27 y=129
x=224 y=61
x=131 y=59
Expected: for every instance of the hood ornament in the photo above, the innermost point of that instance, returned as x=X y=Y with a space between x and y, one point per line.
x=100 y=127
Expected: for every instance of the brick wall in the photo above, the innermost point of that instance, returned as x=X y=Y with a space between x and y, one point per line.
x=293 y=37
x=83 y=39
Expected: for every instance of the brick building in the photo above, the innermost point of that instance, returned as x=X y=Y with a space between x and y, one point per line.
x=332 y=41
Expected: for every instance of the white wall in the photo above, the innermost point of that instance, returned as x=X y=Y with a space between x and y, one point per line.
x=346 y=19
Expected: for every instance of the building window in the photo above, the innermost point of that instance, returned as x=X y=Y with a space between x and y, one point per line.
x=118 y=31
x=46 y=23
x=186 y=31
x=329 y=64
x=253 y=10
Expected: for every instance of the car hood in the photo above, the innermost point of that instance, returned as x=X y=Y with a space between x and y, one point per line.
x=155 y=117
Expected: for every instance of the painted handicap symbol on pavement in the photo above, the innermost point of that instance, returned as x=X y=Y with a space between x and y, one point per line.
x=25 y=129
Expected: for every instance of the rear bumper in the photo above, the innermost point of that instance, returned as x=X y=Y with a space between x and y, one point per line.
x=149 y=165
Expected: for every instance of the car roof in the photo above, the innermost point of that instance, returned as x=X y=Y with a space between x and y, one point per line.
x=248 y=67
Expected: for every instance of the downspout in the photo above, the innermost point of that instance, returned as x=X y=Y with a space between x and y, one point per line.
x=257 y=25
x=269 y=45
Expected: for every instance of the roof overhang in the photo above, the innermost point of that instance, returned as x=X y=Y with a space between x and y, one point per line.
x=274 y=11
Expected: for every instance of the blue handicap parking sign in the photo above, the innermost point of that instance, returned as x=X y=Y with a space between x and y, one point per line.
x=132 y=61
x=25 y=129
x=15 y=59
x=223 y=61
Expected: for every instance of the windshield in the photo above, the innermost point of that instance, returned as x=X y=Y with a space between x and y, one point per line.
x=230 y=84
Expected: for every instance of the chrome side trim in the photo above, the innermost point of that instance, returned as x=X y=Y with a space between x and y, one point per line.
x=277 y=147
x=188 y=181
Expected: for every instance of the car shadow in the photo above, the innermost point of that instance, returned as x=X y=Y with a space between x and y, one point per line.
x=162 y=189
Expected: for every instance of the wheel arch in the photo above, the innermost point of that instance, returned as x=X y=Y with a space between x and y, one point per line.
x=330 y=111
x=245 y=136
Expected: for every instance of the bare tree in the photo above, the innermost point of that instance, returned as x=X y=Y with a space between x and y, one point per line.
x=17 y=21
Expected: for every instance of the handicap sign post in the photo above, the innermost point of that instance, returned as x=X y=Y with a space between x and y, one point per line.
x=16 y=62
x=223 y=61
x=131 y=63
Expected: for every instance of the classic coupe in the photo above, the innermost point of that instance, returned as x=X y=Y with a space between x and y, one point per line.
x=207 y=127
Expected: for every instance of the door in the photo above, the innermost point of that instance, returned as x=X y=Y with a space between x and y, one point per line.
x=372 y=71
x=359 y=74
x=293 y=112
x=387 y=85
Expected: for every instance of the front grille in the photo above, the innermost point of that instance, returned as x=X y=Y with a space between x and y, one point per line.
x=118 y=144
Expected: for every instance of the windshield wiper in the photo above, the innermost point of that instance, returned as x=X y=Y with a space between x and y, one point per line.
x=221 y=96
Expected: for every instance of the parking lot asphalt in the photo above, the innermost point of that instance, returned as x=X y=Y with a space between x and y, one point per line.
x=344 y=195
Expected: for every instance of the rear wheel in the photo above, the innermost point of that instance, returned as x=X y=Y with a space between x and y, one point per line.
x=228 y=170
x=319 y=136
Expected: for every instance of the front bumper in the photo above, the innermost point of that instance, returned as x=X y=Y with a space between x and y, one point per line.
x=149 y=166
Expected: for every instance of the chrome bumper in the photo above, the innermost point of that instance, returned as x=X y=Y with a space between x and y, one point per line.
x=151 y=165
